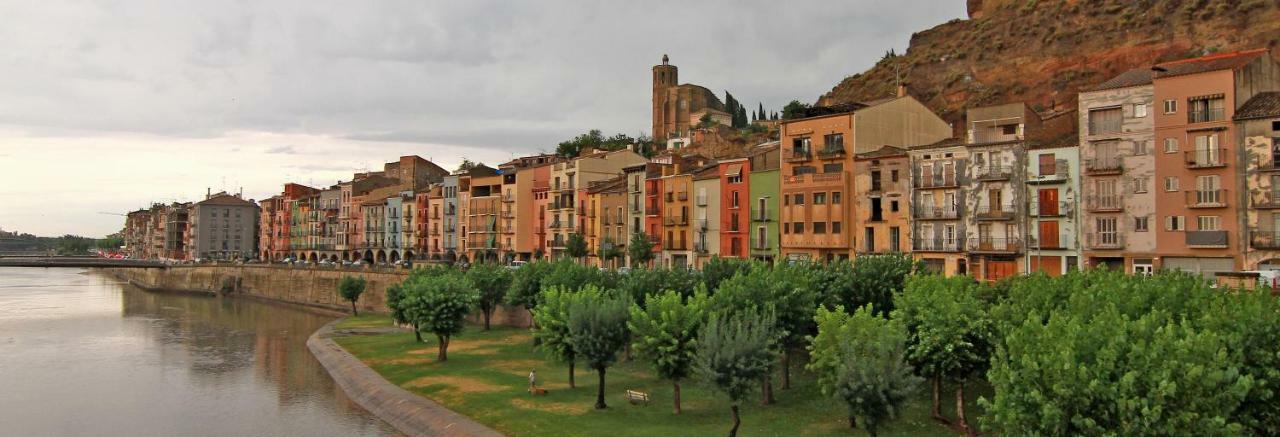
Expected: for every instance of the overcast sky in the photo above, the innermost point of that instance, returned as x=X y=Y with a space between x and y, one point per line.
x=108 y=106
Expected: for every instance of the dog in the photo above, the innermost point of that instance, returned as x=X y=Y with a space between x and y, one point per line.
x=538 y=391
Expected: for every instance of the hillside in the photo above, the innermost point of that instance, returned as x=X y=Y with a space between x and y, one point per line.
x=1044 y=52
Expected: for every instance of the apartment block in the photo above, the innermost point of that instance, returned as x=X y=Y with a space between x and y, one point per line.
x=707 y=214
x=881 y=197
x=995 y=207
x=1258 y=138
x=763 y=182
x=939 y=175
x=734 y=205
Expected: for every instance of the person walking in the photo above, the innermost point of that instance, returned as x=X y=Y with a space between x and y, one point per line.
x=533 y=381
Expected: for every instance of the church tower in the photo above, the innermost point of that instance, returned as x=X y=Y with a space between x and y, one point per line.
x=664 y=76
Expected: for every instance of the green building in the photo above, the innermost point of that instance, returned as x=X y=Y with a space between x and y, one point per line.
x=764 y=184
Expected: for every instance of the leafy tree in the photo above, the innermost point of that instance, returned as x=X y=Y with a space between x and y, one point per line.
x=609 y=251
x=576 y=246
x=492 y=281
x=718 y=269
x=111 y=242
x=439 y=304
x=466 y=165
x=860 y=360
x=794 y=109
x=593 y=139
x=761 y=115
x=551 y=325
x=598 y=331
x=395 y=303
x=873 y=279
x=526 y=283
x=705 y=122
x=350 y=288
x=571 y=275
x=73 y=244
x=783 y=291
x=949 y=333
x=735 y=352
x=640 y=249
x=665 y=332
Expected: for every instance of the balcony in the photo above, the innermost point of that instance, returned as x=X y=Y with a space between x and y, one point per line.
x=835 y=152
x=1057 y=242
x=1061 y=172
x=508 y=214
x=1267 y=164
x=995 y=245
x=700 y=200
x=995 y=212
x=1204 y=199
x=1109 y=203
x=994 y=172
x=1205 y=115
x=654 y=239
x=1264 y=239
x=1205 y=158
x=1206 y=239
x=935 y=244
x=700 y=246
x=1103 y=166
x=676 y=220
x=827 y=179
x=1267 y=200
x=636 y=209
x=1048 y=209
x=508 y=198
x=796 y=155
x=556 y=225
x=652 y=210
x=936 y=181
x=682 y=196
x=1104 y=241
x=936 y=213
x=758 y=243
x=700 y=224
x=761 y=215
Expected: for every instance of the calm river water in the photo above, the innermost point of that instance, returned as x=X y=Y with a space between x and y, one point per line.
x=84 y=354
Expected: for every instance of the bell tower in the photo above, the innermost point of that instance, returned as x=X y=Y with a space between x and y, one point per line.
x=665 y=76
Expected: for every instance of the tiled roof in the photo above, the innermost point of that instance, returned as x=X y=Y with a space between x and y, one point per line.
x=225 y=200
x=1134 y=77
x=1221 y=61
x=1261 y=105
x=882 y=152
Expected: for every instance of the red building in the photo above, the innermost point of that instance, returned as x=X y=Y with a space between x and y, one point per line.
x=734 y=218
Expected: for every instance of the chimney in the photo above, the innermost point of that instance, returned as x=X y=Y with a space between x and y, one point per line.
x=208 y=192
x=902 y=89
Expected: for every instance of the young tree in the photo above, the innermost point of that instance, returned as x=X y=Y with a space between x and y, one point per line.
x=735 y=352
x=718 y=269
x=640 y=249
x=350 y=288
x=609 y=251
x=949 y=334
x=439 y=304
x=551 y=325
x=786 y=292
x=576 y=246
x=395 y=303
x=860 y=360
x=571 y=275
x=665 y=332
x=598 y=331
x=492 y=281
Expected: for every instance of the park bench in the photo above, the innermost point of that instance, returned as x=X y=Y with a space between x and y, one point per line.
x=636 y=397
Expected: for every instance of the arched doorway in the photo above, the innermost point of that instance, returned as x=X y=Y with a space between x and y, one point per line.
x=381 y=256
x=408 y=254
x=346 y=256
x=333 y=258
x=395 y=256
x=368 y=256
x=962 y=267
x=312 y=257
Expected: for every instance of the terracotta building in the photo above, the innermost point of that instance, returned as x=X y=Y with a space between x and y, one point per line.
x=881 y=195
x=734 y=205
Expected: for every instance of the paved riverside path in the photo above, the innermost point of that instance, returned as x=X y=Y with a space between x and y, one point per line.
x=409 y=413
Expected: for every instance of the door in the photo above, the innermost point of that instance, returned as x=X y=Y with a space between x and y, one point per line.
x=994 y=200
x=1049 y=235
x=997 y=270
x=1049 y=202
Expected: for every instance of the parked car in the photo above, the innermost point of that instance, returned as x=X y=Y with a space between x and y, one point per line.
x=516 y=264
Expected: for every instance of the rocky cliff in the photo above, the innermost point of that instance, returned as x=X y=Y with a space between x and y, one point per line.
x=1044 y=52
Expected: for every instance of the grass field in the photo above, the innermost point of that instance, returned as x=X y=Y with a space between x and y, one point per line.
x=486 y=378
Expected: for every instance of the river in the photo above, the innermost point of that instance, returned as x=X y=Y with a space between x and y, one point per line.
x=84 y=354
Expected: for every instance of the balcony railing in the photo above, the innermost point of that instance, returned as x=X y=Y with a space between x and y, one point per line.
x=1264 y=239
x=652 y=210
x=1048 y=209
x=683 y=195
x=1206 y=239
x=797 y=155
x=677 y=220
x=1205 y=115
x=936 y=213
x=761 y=215
x=758 y=243
x=654 y=239
x=1104 y=240
x=935 y=244
x=995 y=245
x=1109 y=203
x=1206 y=158
x=994 y=172
x=700 y=200
x=1266 y=200
x=1101 y=166
x=1004 y=211
x=1266 y=163
x=827 y=177
x=700 y=247
x=937 y=181
x=831 y=152
x=1061 y=241
x=1207 y=198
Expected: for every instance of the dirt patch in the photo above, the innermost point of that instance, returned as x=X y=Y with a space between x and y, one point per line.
x=406 y=361
x=550 y=407
x=456 y=383
x=516 y=367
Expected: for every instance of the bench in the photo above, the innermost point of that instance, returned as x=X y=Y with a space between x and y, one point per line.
x=635 y=397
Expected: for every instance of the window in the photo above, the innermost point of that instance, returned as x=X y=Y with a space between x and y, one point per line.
x=1105 y=121
x=1207 y=223
x=1141 y=184
x=875 y=180
x=835 y=197
x=799 y=199
x=1171 y=183
x=800 y=146
x=835 y=227
x=1048 y=165
x=786 y=201
x=1141 y=148
x=894 y=236
x=1139 y=110
x=1140 y=224
x=734 y=200
x=819 y=227
x=798 y=228
x=832 y=168
x=1275 y=125
x=893 y=206
x=1170 y=145
x=1107 y=234
x=1170 y=106
x=834 y=142
x=803 y=169
x=786 y=228
x=893 y=175
x=1205 y=109
x=819 y=198
x=1174 y=223
x=1009 y=129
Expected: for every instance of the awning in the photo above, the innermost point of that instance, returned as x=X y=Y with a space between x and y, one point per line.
x=734 y=170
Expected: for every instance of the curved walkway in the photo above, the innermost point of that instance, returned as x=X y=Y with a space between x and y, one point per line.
x=409 y=413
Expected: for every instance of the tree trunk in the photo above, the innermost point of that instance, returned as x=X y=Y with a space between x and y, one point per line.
x=571 y=385
x=736 y=421
x=766 y=389
x=786 y=369
x=444 y=348
x=936 y=382
x=487 y=313
x=675 y=394
x=960 y=420
x=417 y=335
x=853 y=422
x=600 y=391
x=353 y=308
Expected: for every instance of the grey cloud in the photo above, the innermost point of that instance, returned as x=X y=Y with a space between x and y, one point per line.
x=283 y=150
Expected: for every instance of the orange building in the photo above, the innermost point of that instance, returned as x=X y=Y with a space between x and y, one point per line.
x=735 y=220
x=881 y=193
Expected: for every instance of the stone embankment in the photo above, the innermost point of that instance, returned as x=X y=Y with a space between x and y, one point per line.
x=315 y=287
x=407 y=412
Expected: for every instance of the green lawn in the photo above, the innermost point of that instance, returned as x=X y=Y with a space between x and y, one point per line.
x=486 y=379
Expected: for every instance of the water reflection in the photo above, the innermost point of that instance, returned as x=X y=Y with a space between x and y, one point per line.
x=83 y=354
